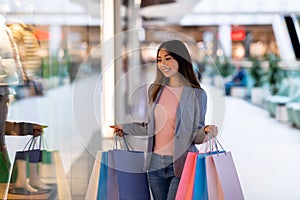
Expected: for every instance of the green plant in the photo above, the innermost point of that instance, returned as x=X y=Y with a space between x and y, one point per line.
x=225 y=68
x=275 y=73
x=257 y=73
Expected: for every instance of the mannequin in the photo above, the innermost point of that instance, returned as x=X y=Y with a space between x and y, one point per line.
x=35 y=184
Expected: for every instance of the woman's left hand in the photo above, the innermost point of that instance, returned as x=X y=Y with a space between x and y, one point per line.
x=211 y=130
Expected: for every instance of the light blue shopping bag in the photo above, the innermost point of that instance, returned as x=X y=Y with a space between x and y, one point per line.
x=102 y=186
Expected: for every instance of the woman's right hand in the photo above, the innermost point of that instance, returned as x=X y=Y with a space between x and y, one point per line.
x=117 y=130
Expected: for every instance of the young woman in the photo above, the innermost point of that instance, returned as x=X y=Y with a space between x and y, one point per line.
x=177 y=107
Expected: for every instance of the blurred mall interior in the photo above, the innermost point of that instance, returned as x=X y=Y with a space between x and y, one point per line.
x=90 y=63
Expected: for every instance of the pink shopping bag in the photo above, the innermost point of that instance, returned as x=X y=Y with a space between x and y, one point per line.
x=228 y=176
x=186 y=184
x=215 y=191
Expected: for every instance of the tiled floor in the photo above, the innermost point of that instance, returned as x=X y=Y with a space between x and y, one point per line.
x=266 y=152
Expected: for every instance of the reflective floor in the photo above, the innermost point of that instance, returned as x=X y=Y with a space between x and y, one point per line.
x=266 y=152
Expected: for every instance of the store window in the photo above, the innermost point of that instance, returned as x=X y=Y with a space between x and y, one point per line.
x=50 y=41
x=253 y=41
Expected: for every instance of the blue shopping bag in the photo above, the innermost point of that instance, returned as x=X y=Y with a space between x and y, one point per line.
x=200 y=191
x=200 y=184
x=112 y=183
x=129 y=167
x=102 y=186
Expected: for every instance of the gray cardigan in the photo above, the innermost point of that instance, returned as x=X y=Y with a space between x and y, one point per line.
x=189 y=126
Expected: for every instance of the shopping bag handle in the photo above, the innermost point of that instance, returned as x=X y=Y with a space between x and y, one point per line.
x=32 y=143
x=207 y=144
x=29 y=141
x=217 y=144
x=211 y=144
x=43 y=142
x=127 y=146
x=117 y=139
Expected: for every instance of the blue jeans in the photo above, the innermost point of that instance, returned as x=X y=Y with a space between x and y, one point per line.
x=163 y=182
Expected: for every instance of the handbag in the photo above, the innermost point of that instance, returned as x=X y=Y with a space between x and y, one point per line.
x=29 y=88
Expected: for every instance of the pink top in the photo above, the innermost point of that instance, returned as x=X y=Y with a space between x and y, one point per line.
x=165 y=118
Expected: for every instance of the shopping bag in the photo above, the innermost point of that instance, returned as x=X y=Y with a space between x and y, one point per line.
x=228 y=176
x=203 y=175
x=53 y=175
x=45 y=153
x=186 y=184
x=112 y=182
x=46 y=164
x=129 y=166
x=47 y=168
x=102 y=185
x=215 y=191
x=200 y=191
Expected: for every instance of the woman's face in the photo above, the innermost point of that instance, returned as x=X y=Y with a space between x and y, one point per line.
x=167 y=64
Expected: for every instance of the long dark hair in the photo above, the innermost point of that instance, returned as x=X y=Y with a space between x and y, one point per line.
x=180 y=53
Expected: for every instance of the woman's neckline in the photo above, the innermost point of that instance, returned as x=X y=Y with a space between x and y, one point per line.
x=174 y=87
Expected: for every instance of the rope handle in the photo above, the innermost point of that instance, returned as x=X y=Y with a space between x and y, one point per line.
x=127 y=146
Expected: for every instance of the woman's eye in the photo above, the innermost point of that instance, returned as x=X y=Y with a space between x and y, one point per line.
x=158 y=60
x=168 y=58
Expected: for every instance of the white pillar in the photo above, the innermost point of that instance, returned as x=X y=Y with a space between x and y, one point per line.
x=135 y=76
x=225 y=39
x=54 y=42
x=110 y=27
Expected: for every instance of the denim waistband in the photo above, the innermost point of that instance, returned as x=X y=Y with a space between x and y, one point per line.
x=165 y=157
x=160 y=161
